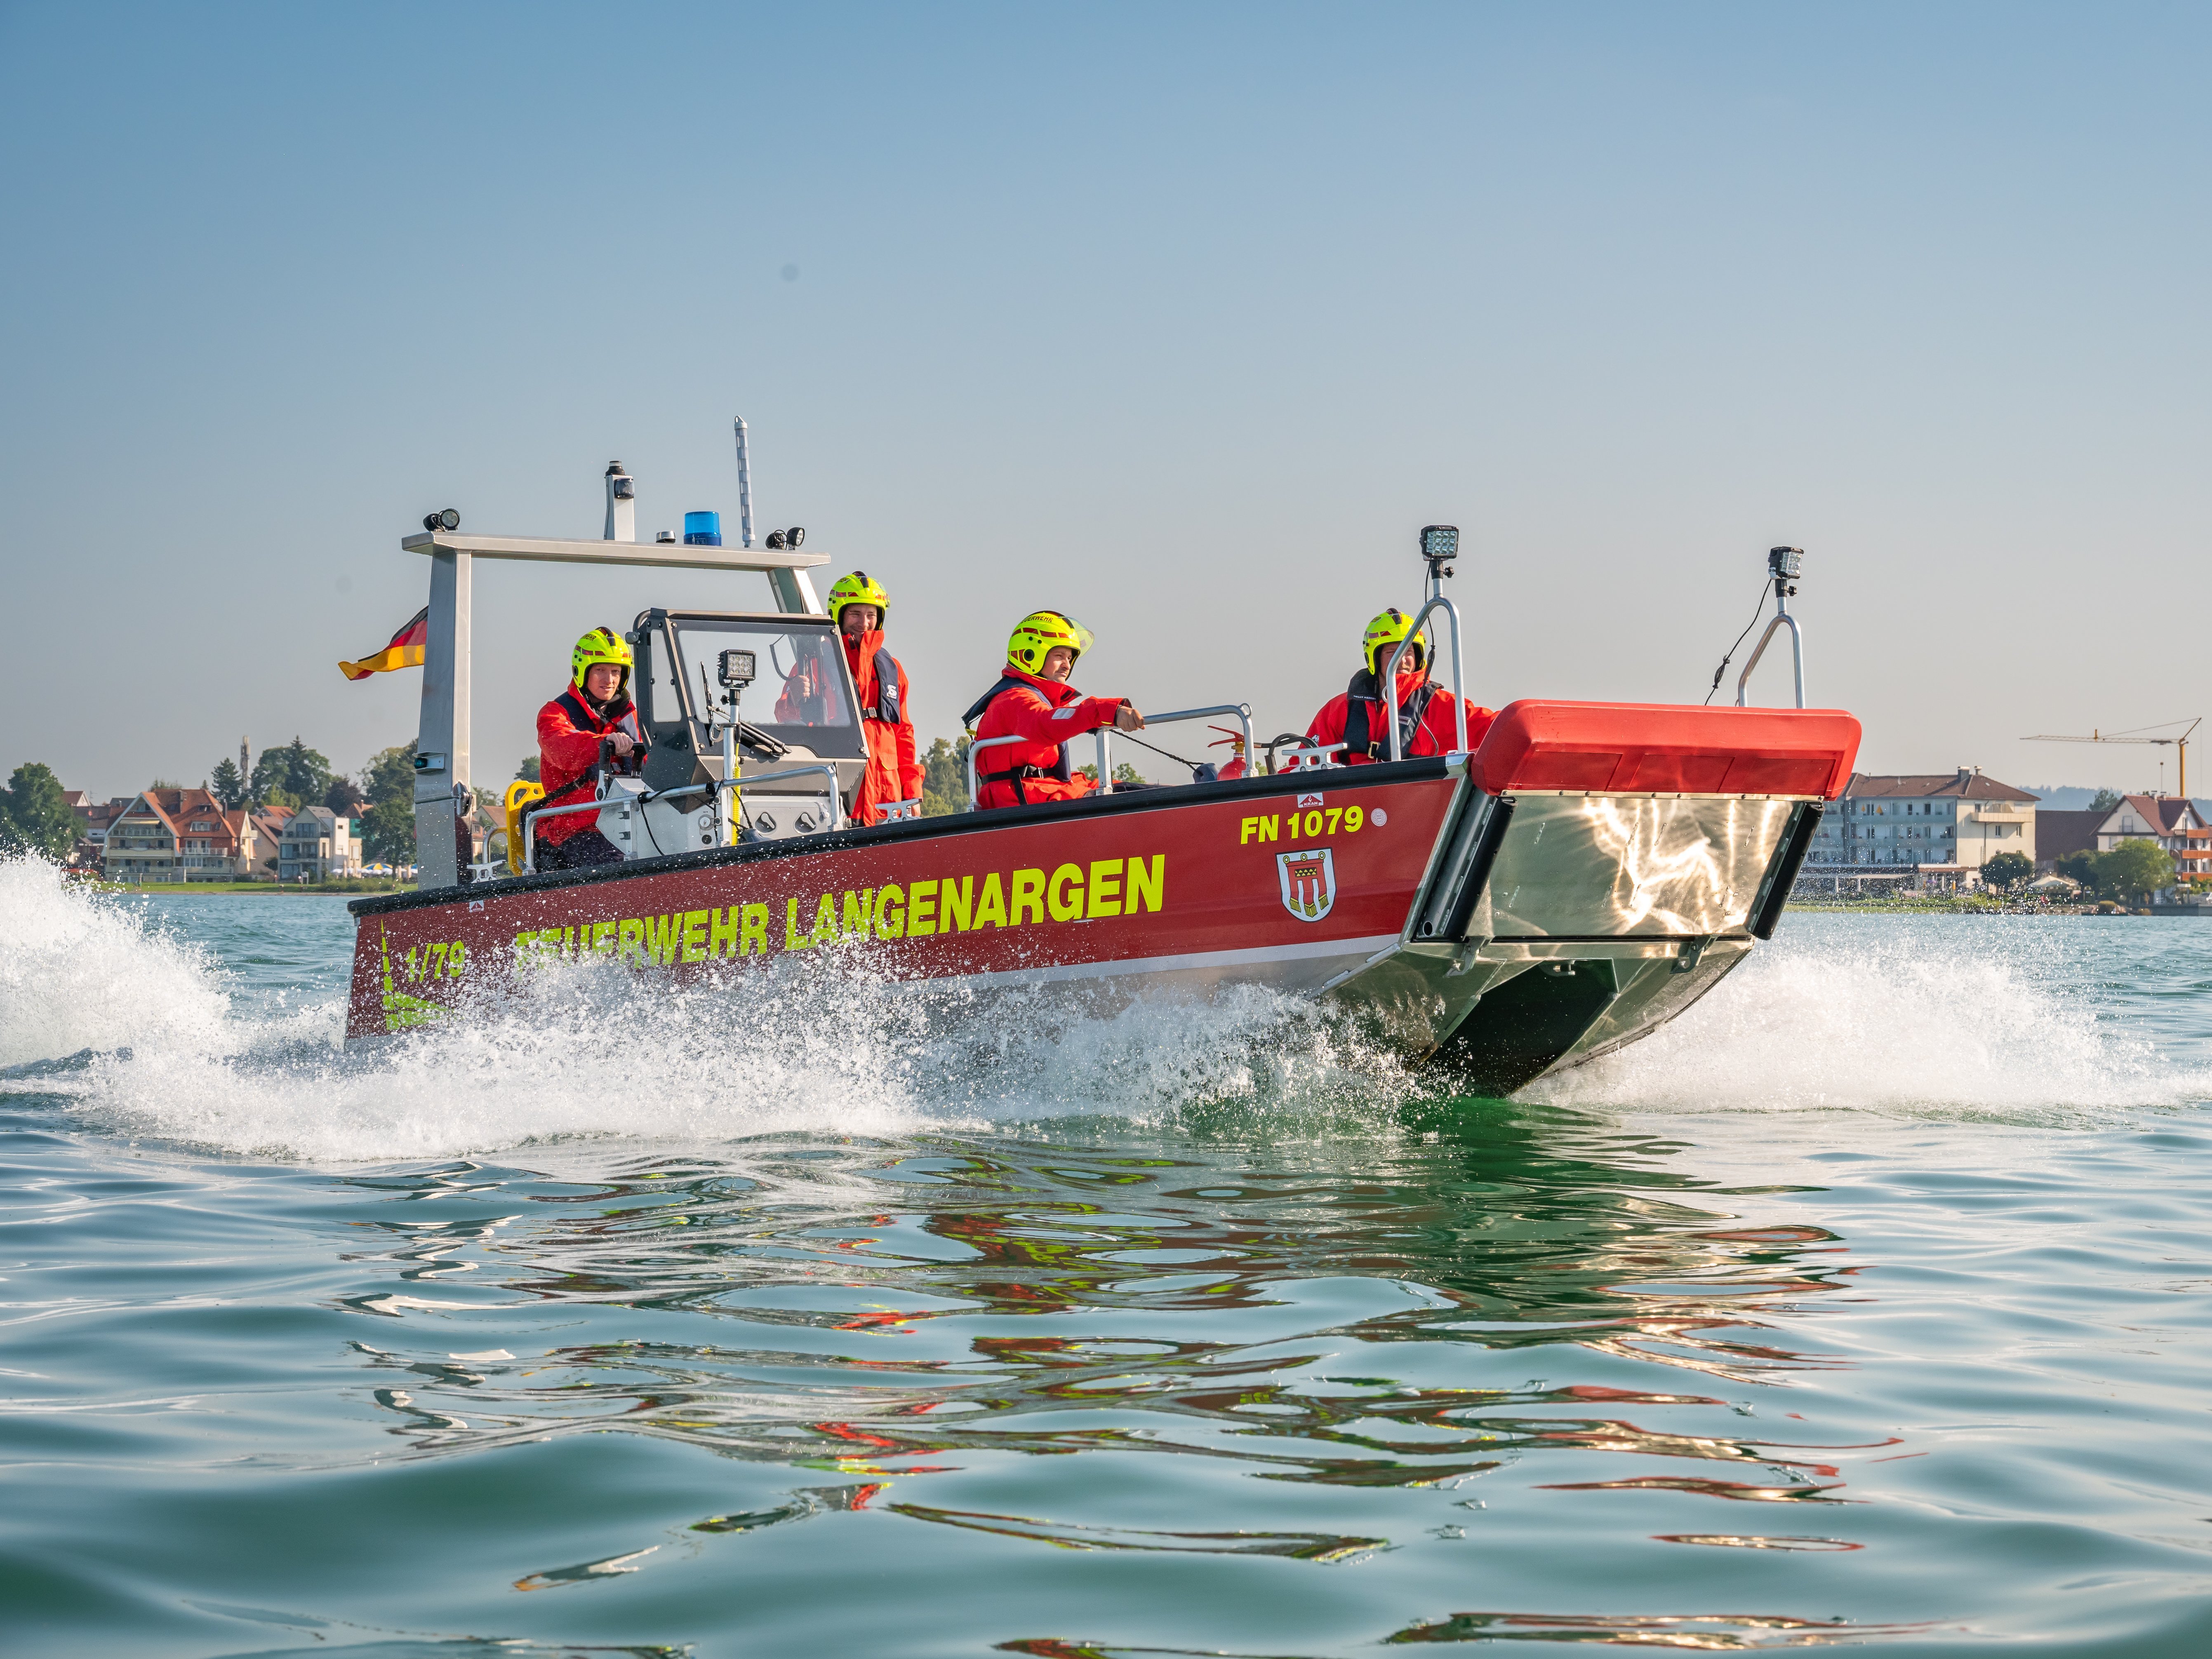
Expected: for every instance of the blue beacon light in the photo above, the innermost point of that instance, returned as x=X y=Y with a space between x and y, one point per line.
x=702 y=530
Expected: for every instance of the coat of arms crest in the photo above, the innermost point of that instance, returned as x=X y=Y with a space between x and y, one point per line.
x=1308 y=880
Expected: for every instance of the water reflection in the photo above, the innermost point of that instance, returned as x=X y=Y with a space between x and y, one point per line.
x=1512 y=1290
x=1697 y=1633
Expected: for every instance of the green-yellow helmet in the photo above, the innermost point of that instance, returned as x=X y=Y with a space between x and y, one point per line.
x=1384 y=634
x=859 y=588
x=601 y=645
x=1036 y=635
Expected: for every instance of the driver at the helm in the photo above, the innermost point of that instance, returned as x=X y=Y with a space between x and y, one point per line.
x=1423 y=708
x=1033 y=701
x=591 y=725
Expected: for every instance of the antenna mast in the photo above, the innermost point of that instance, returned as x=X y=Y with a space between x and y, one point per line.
x=745 y=488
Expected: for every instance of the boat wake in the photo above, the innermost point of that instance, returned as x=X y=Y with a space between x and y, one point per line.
x=1943 y=1015
x=142 y=1033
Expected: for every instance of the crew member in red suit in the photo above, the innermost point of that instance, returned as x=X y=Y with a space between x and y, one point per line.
x=1426 y=726
x=892 y=780
x=592 y=725
x=1033 y=701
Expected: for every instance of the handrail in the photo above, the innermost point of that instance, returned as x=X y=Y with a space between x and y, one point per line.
x=1796 y=653
x=752 y=778
x=530 y=828
x=987 y=743
x=1102 y=735
x=597 y=804
x=1386 y=695
x=1242 y=711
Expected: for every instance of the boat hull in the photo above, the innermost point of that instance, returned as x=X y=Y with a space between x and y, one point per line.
x=1160 y=889
x=1506 y=912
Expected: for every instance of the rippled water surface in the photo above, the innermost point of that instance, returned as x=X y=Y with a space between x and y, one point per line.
x=1867 y=1305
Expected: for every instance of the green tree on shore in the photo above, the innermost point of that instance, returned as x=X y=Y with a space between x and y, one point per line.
x=2136 y=868
x=35 y=814
x=228 y=785
x=300 y=773
x=1123 y=773
x=2009 y=870
x=388 y=784
x=2104 y=802
x=944 y=779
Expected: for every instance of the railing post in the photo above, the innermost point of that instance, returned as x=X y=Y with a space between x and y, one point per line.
x=973 y=748
x=1386 y=693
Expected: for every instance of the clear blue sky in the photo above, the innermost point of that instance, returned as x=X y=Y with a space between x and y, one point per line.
x=1182 y=318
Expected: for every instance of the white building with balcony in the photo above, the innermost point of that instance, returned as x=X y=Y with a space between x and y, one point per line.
x=1939 y=826
x=167 y=835
x=318 y=845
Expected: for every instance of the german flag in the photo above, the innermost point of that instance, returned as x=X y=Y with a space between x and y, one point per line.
x=406 y=650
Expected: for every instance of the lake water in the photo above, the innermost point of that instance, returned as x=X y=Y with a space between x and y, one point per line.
x=1870 y=1303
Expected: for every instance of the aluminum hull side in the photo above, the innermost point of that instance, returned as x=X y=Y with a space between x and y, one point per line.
x=1602 y=916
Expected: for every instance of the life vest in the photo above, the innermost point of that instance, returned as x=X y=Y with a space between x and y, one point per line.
x=582 y=717
x=1360 y=696
x=886 y=705
x=1014 y=775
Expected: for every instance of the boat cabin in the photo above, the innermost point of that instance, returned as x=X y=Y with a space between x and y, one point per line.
x=802 y=709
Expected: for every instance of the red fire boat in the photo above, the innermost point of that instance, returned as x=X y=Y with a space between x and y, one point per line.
x=1583 y=875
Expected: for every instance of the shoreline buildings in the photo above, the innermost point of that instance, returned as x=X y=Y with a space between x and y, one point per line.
x=2172 y=821
x=1937 y=828
x=171 y=835
x=318 y=845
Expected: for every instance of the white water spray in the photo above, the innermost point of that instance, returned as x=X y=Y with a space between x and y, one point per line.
x=583 y=1050
x=1942 y=1014
x=78 y=971
x=1952 y=1021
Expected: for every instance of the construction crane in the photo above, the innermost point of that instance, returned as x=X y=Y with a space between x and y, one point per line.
x=2180 y=744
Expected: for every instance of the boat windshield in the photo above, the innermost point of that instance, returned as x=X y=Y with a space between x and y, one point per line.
x=800 y=672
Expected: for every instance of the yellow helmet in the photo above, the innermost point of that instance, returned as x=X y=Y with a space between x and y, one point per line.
x=859 y=588
x=601 y=645
x=1036 y=635
x=1384 y=633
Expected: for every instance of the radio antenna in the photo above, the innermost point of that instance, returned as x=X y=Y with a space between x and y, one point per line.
x=745 y=488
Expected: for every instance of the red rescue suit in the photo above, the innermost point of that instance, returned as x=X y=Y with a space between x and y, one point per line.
x=1048 y=714
x=1426 y=725
x=893 y=771
x=572 y=742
